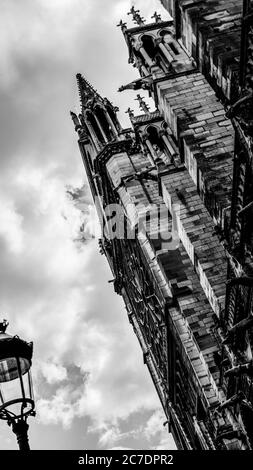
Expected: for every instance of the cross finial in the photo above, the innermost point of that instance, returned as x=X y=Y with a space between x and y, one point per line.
x=157 y=17
x=136 y=16
x=130 y=112
x=122 y=25
x=143 y=106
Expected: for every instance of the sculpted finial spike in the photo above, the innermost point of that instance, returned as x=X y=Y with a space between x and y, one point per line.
x=130 y=112
x=122 y=25
x=157 y=17
x=143 y=106
x=88 y=94
x=75 y=120
x=136 y=16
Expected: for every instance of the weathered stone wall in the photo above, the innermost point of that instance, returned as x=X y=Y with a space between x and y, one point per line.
x=180 y=177
x=197 y=284
x=210 y=30
x=195 y=228
x=205 y=136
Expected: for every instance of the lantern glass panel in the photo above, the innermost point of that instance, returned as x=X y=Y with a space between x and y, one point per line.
x=15 y=385
x=9 y=368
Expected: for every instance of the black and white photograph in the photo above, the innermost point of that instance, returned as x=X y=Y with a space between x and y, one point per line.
x=126 y=229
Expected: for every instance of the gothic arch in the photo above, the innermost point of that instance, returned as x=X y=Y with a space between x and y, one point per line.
x=113 y=116
x=89 y=159
x=154 y=137
x=100 y=113
x=149 y=45
x=154 y=52
x=164 y=32
x=90 y=118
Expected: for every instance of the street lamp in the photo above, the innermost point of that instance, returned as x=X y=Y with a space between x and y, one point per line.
x=16 y=392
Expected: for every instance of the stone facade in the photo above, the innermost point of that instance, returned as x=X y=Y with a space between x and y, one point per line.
x=210 y=31
x=171 y=178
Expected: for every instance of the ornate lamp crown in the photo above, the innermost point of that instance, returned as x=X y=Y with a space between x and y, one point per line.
x=3 y=326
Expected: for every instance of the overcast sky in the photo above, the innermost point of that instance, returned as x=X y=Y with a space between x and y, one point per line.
x=92 y=389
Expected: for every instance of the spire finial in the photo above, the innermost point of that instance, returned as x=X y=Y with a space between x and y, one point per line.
x=136 y=16
x=3 y=326
x=75 y=120
x=157 y=17
x=122 y=25
x=88 y=94
x=143 y=106
x=130 y=113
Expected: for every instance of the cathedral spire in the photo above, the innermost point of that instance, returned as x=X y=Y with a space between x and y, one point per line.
x=143 y=105
x=138 y=19
x=98 y=118
x=88 y=94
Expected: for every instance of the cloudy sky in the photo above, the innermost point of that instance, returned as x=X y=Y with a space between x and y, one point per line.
x=92 y=390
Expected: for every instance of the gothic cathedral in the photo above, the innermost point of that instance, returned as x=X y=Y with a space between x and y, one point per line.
x=180 y=180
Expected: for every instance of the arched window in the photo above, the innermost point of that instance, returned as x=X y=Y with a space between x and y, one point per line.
x=159 y=145
x=149 y=45
x=92 y=122
x=155 y=52
x=89 y=159
x=101 y=116
x=113 y=117
x=165 y=33
x=154 y=137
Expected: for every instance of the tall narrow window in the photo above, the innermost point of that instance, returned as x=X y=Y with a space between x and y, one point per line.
x=149 y=45
x=94 y=126
x=101 y=116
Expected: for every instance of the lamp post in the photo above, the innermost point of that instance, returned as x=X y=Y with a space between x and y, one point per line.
x=16 y=391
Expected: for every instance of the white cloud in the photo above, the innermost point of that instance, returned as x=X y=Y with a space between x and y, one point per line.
x=11 y=226
x=56 y=410
x=44 y=28
x=53 y=373
x=154 y=424
x=110 y=436
x=155 y=429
